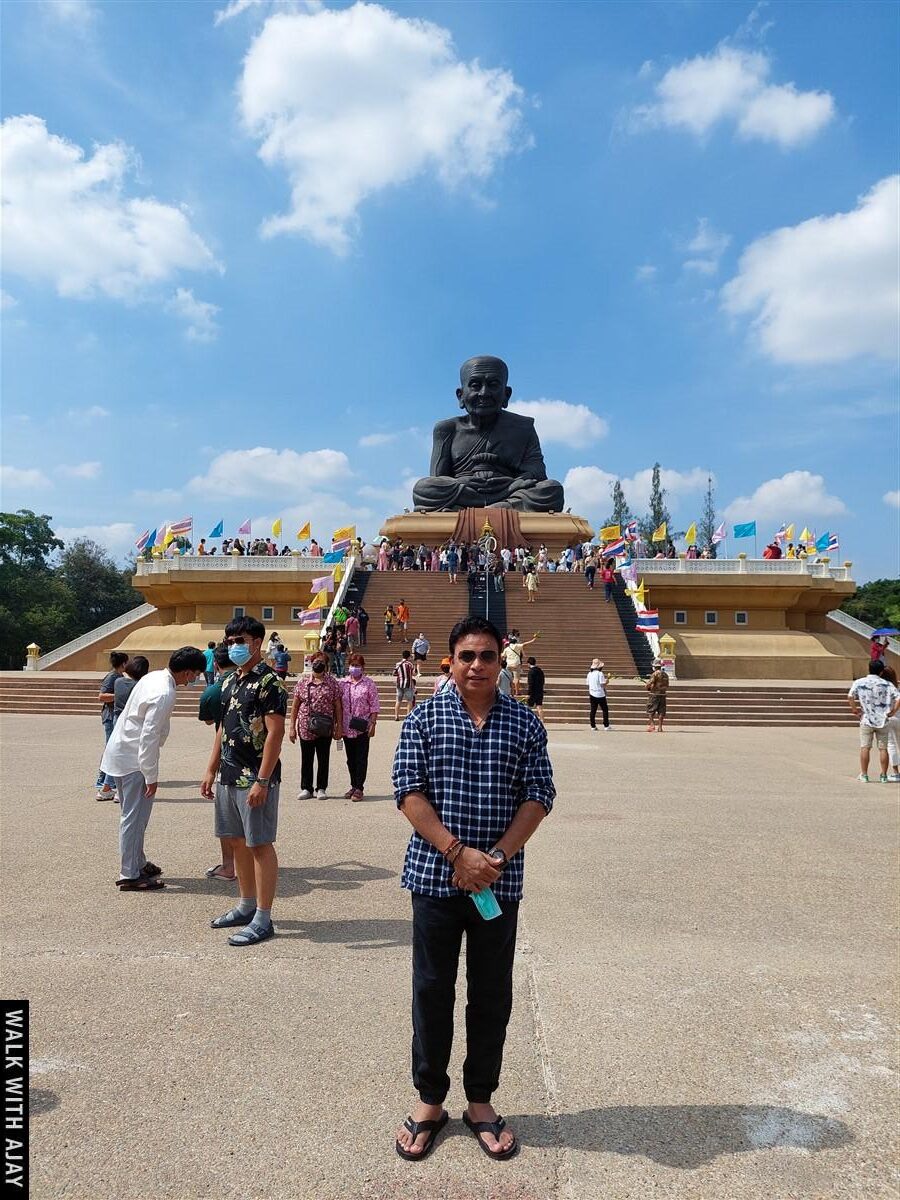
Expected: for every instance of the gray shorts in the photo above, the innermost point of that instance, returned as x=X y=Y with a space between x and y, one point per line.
x=236 y=819
x=406 y=695
x=869 y=733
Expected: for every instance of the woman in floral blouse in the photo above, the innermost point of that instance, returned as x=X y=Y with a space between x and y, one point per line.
x=316 y=703
x=361 y=708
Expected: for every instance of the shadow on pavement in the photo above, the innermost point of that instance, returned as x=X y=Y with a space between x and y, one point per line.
x=356 y=935
x=686 y=1136
x=294 y=881
x=40 y=1100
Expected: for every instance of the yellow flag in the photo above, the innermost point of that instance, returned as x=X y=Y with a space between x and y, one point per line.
x=338 y=573
x=169 y=538
x=805 y=536
x=609 y=533
x=789 y=532
x=348 y=531
x=691 y=536
x=320 y=600
x=276 y=528
x=304 y=534
x=659 y=534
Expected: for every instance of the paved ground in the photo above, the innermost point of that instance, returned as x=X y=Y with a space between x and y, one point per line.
x=705 y=983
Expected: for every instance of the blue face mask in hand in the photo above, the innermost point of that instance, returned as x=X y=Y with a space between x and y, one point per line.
x=239 y=654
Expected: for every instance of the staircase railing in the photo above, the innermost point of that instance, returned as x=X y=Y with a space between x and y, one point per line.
x=860 y=627
x=94 y=635
x=350 y=565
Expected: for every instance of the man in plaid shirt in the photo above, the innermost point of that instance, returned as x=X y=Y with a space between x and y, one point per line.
x=472 y=776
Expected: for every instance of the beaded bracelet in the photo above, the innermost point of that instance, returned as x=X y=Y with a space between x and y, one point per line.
x=446 y=853
x=455 y=852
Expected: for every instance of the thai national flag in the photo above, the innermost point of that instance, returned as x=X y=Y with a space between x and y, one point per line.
x=631 y=531
x=144 y=539
x=648 y=621
x=184 y=526
x=343 y=544
x=310 y=616
x=833 y=543
x=619 y=546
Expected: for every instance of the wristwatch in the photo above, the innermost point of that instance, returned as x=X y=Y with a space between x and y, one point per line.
x=499 y=856
x=262 y=782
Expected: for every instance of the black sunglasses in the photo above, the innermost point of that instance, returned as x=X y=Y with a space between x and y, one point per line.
x=238 y=641
x=469 y=656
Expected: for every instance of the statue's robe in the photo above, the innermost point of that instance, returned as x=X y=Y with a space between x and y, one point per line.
x=501 y=467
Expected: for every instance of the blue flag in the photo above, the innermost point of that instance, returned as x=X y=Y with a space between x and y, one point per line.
x=748 y=530
x=822 y=542
x=219 y=529
x=335 y=556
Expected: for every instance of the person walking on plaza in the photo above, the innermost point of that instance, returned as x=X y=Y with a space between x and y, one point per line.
x=513 y=655
x=131 y=758
x=531 y=585
x=210 y=655
x=874 y=700
x=536 y=683
x=243 y=776
x=472 y=776
x=893 y=728
x=596 y=684
x=505 y=679
x=107 y=697
x=405 y=681
x=420 y=648
x=281 y=659
x=210 y=711
x=135 y=670
x=360 y=707
x=317 y=718
x=390 y=620
x=403 y=619
x=657 y=685
x=877 y=648
x=452 y=562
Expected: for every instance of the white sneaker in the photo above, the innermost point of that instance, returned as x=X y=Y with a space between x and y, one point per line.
x=306 y=794
x=894 y=777
x=321 y=794
x=863 y=778
x=607 y=728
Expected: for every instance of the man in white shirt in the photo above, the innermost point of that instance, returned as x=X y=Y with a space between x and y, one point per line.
x=874 y=700
x=132 y=759
x=596 y=683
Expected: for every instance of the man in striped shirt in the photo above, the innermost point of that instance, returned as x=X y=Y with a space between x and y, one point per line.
x=472 y=776
x=405 y=679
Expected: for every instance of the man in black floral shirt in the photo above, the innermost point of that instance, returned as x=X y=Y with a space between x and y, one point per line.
x=243 y=777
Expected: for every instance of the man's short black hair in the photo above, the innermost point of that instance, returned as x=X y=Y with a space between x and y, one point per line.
x=248 y=625
x=188 y=658
x=473 y=625
x=532 y=662
x=118 y=658
x=210 y=645
x=137 y=667
x=876 y=667
x=221 y=656
x=406 y=654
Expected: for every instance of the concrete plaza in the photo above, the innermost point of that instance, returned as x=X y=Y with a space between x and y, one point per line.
x=706 y=982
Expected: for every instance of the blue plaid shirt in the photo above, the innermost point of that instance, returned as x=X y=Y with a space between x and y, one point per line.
x=476 y=780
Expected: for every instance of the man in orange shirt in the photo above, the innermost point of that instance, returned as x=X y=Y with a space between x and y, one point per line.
x=403 y=617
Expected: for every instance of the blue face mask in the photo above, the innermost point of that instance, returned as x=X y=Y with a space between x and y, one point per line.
x=239 y=654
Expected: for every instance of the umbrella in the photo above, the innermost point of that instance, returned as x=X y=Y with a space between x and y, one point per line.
x=885 y=632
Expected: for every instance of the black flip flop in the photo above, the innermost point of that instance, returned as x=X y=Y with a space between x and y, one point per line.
x=495 y=1128
x=141 y=884
x=432 y=1128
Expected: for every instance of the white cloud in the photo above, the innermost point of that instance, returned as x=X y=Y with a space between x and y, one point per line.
x=199 y=315
x=559 y=421
x=370 y=440
x=355 y=100
x=78 y=14
x=118 y=538
x=825 y=291
x=645 y=273
x=85 y=470
x=234 y=9
x=892 y=499
x=23 y=478
x=256 y=472
x=67 y=221
x=796 y=496
x=391 y=500
x=6 y=300
x=588 y=488
x=325 y=513
x=732 y=85
x=706 y=248
x=94 y=412
x=160 y=498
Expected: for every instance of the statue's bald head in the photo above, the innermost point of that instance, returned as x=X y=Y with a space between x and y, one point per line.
x=483 y=364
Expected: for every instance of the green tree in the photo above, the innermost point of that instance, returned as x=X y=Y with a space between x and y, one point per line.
x=26 y=540
x=876 y=603
x=658 y=514
x=35 y=606
x=99 y=589
x=621 y=513
x=706 y=526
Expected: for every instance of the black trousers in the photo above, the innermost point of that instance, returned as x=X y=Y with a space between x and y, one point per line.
x=363 y=626
x=357 y=751
x=438 y=927
x=319 y=751
x=599 y=702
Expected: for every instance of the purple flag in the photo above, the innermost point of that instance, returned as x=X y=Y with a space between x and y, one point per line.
x=324 y=583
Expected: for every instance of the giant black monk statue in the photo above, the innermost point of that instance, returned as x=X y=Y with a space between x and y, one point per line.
x=488 y=458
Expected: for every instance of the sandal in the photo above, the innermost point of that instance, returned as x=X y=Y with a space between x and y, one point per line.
x=252 y=935
x=494 y=1127
x=141 y=884
x=433 y=1128
x=216 y=873
x=227 y=921
x=151 y=870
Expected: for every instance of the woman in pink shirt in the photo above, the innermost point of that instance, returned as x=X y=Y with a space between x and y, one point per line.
x=608 y=575
x=361 y=707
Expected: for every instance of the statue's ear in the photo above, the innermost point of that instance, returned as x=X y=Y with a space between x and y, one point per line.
x=459 y=397
x=508 y=394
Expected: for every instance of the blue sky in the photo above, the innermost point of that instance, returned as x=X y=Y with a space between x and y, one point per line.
x=247 y=246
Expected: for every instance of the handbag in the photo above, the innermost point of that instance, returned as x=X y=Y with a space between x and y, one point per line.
x=359 y=724
x=320 y=724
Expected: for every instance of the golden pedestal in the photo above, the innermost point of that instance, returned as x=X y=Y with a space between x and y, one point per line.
x=556 y=531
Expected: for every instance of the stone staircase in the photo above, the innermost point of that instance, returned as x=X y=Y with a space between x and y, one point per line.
x=691 y=704
x=435 y=606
